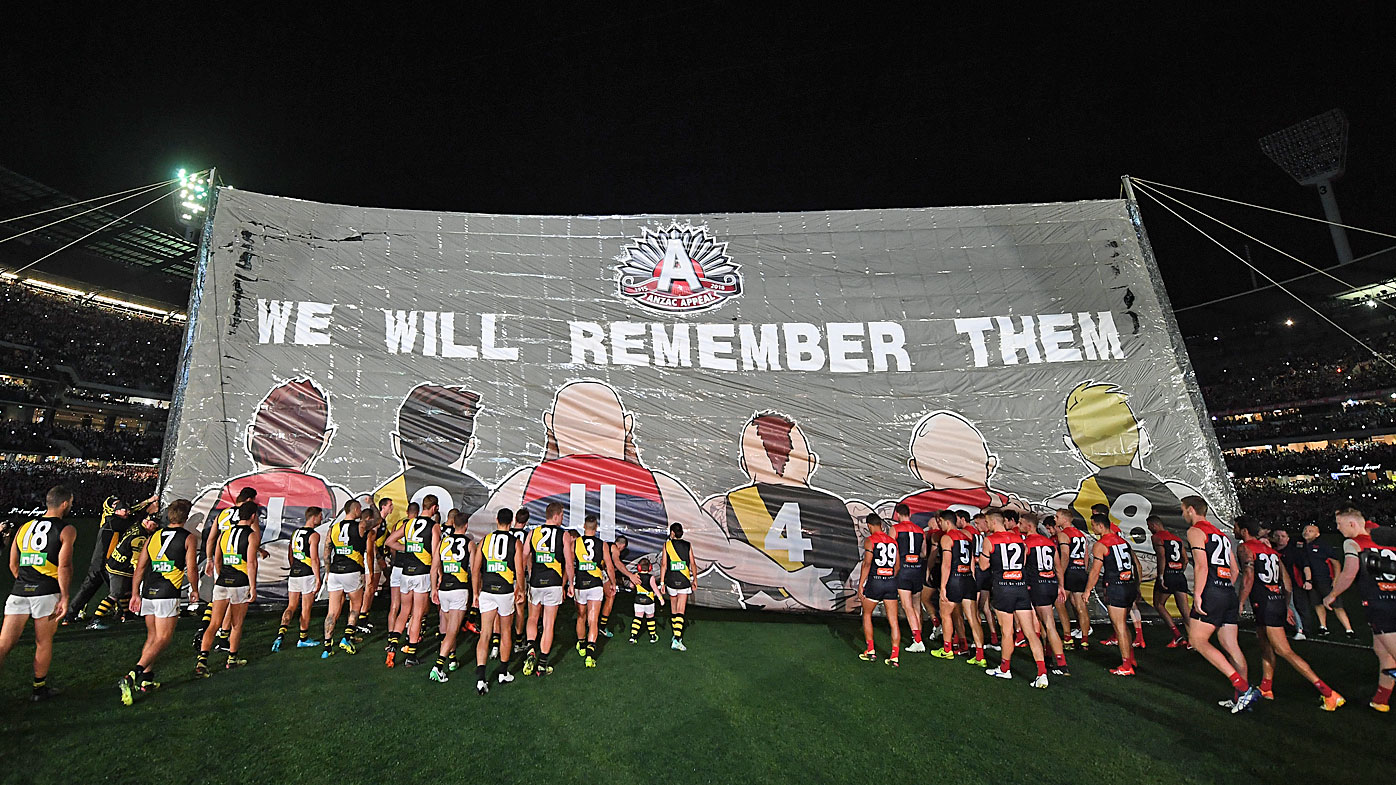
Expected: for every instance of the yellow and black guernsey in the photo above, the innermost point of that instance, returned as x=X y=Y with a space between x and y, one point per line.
x=545 y=543
x=347 y=547
x=455 y=560
x=396 y=558
x=644 y=595
x=497 y=550
x=416 y=546
x=232 y=550
x=39 y=542
x=301 y=554
x=165 y=550
x=591 y=556
x=796 y=526
x=679 y=556
x=122 y=560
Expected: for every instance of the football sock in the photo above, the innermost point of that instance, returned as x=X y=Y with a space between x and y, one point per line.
x=107 y=605
x=677 y=622
x=635 y=627
x=494 y=640
x=441 y=663
x=348 y=630
x=895 y=650
x=479 y=673
x=591 y=648
x=1323 y=689
x=203 y=657
x=979 y=652
x=1061 y=660
x=870 y=645
x=650 y=626
x=604 y=621
x=1266 y=685
x=281 y=631
x=1238 y=682
x=916 y=635
x=1041 y=668
x=1005 y=665
x=949 y=647
x=207 y=617
x=1382 y=696
x=304 y=634
x=41 y=682
x=533 y=645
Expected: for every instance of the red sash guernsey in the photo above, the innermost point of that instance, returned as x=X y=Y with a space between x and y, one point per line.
x=622 y=495
x=283 y=495
x=927 y=503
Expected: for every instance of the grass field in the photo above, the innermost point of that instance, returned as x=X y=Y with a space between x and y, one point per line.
x=757 y=698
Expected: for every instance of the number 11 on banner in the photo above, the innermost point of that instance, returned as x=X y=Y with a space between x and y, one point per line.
x=577 y=510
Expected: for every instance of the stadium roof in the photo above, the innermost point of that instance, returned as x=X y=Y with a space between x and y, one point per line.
x=123 y=241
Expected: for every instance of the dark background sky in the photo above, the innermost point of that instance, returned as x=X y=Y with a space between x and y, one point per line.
x=719 y=107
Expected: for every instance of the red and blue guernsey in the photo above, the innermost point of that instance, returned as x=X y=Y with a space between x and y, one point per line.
x=925 y=504
x=283 y=494
x=639 y=509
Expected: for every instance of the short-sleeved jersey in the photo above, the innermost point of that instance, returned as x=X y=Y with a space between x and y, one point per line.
x=678 y=554
x=885 y=558
x=416 y=546
x=347 y=545
x=1007 y=557
x=795 y=525
x=1119 y=560
x=122 y=560
x=40 y=542
x=1218 y=550
x=1269 y=570
x=1078 y=553
x=1042 y=559
x=165 y=550
x=497 y=557
x=233 y=555
x=1373 y=586
x=590 y=553
x=911 y=540
x=455 y=560
x=303 y=556
x=1174 y=549
x=961 y=553
x=639 y=509
x=1318 y=554
x=545 y=548
x=283 y=495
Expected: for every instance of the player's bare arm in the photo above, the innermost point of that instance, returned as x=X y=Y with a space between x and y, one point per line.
x=1197 y=541
x=254 y=542
x=191 y=566
x=1098 y=553
x=65 y=569
x=1351 y=565
x=134 y=605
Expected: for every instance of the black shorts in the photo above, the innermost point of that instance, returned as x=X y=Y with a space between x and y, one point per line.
x=1321 y=590
x=1043 y=594
x=1173 y=583
x=1219 y=606
x=959 y=588
x=1382 y=616
x=1270 y=612
x=880 y=589
x=911 y=579
x=1075 y=580
x=1121 y=595
x=1007 y=599
x=119 y=586
x=983 y=580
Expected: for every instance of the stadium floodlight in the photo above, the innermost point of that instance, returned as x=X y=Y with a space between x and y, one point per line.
x=1314 y=152
x=193 y=197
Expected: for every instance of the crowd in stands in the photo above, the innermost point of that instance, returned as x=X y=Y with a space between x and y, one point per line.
x=1272 y=463
x=1362 y=416
x=1296 y=504
x=115 y=445
x=19 y=393
x=23 y=485
x=100 y=344
x=1242 y=379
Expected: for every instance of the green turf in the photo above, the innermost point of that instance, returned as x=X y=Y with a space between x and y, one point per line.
x=758 y=697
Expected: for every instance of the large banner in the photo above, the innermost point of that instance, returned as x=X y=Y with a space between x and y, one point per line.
x=766 y=380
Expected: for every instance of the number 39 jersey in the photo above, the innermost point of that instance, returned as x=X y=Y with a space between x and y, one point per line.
x=39 y=542
x=1219 y=555
x=885 y=559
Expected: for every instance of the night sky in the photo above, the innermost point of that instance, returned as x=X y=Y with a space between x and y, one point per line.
x=717 y=107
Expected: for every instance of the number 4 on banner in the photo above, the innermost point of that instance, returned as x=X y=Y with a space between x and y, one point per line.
x=785 y=533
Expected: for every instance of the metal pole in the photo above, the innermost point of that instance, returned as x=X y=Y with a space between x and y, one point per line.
x=1330 y=212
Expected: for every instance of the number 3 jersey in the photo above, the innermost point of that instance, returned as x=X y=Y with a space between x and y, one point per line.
x=165 y=551
x=39 y=542
x=797 y=526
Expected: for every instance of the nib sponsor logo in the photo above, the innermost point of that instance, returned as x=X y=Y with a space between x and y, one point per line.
x=681 y=268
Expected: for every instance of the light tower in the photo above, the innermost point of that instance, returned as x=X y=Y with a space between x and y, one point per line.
x=1314 y=152
x=194 y=191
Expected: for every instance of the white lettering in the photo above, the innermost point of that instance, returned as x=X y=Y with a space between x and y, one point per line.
x=802 y=349
x=627 y=342
x=677 y=265
x=272 y=316
x=671 y=353
x=588 y=338
x=1054 y=330
x=888 y=340
x=846 y=338
x=975 y=329
x=429 y=333
x=312 y=322
x=449 y=348
x=715 y=340
x=401 y=330
x=1011 y=342
x=1101 y=342
x=760 y=354
x=488 y=348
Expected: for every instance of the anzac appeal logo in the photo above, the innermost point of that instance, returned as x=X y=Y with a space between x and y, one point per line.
x=680 y=268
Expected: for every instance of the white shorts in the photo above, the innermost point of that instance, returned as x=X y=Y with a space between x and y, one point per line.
x=545 y=595
x=347 y=582
x=644 y=607
x=415 y=584
x=235 y=595
x=594 y=594
x=395 y=578
x=160 y=609
x=454 y=600
x=503 y=604
x=38 y=607
x=305 y=584
x=676 y=592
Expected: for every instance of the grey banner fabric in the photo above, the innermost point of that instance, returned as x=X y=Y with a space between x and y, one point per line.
x=766 y=380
